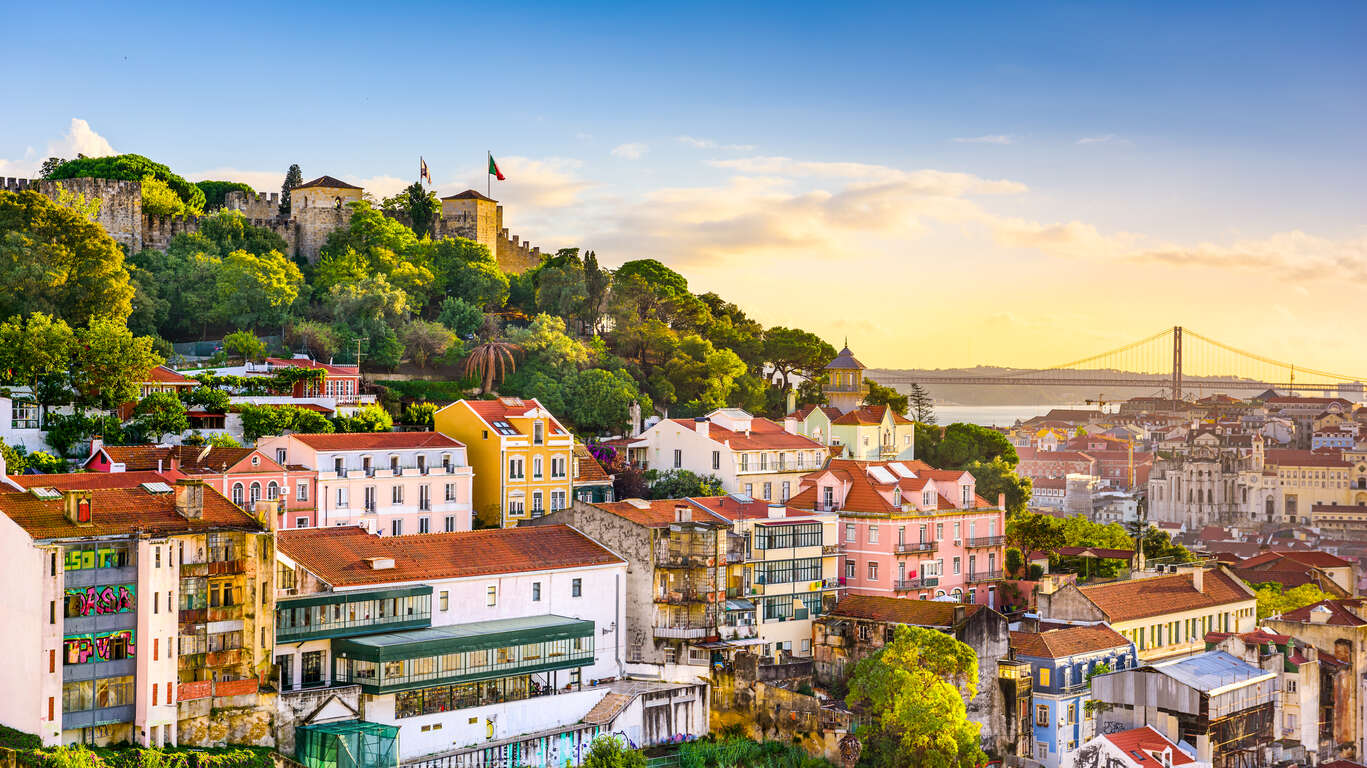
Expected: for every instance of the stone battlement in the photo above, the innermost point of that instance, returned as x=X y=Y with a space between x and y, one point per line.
x=257 y=206
x=12 y=184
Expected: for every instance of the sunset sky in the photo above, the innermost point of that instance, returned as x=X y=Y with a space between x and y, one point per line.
x=963 y=183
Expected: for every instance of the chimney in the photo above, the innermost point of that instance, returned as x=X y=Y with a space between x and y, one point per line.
x=77 y=507
x=683 y=513
x=190 y=499
x=173 y=464
x=960 y=613
x=1320 y=614
x=790 y=425
x=791 y=401
x=96 y=443
x=268 y=511
x=380 y=563
x=700 y=425
x=777 y=510
x=1001 y=501
x=1198 y=578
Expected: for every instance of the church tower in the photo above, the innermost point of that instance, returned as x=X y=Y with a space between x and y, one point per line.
x=844 y=384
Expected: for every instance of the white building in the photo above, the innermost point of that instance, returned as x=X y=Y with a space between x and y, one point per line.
x=752 y=455
x=483 y=647
x=1136 y=748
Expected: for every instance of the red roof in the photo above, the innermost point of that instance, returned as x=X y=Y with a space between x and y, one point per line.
x=803 y=411
x=334 y=371
x=506 y=408
x=338 y=555
x=327 y=182
x=659 y=513
x=163 y=375
x=190 y=459
x=93 y=480
x=863 y=490
x=1313 y=558
x=1341 y=612
x=588 y=470
x=732 y=509
x=871 y=415
x=120 y=512
x=1069 y=641
x=1139 y=744
x=1159 y=595
x=897 y=610
x=764 y=435
x=376 y=441
x=1290 y=457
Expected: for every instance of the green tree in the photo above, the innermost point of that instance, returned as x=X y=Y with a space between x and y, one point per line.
x=962 y=444
x=599 y=400
x=161 y=413
x=680 y=483
x=877 y=394
x=36 y=351
x=317 y=339
x=997 y=477
x=293 y=178
x=53 y=260
x=420 y=414
x=596 y=283
x=480 y=283
x=662 y=280
x=490 y=361
x=1159 y=546
x=256 y=290
x=368 y=418
x=420 y=206
x=261 y=420
x=1034 y=532
x=562 y=291
x=230 y=231
x=216 y=192
x=1274 y=599
x=612 y=751
x=914 y=689
x=462 y=317
x=791 y=351
x=425 y=341
x=245 y=344
x=368 y=301
x=131 y=168
x=922 y=404
x=110 y=363
x=158 y=199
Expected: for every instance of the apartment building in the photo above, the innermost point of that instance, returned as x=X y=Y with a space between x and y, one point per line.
x=523 y=455
x=392 y=483
x=909 y=530
x=130 y=601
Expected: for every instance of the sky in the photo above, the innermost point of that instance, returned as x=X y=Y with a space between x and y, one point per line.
x=945 y=184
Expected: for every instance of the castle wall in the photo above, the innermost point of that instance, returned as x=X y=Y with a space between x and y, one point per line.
x=254 y=206
x=120 y=203
x=312 y=226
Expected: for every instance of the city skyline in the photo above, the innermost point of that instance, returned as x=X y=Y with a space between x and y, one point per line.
x=1016 y=187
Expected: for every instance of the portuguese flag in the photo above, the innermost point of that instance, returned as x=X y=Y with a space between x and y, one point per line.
x=493 y=169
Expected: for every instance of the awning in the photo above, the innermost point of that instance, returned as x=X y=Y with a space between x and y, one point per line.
x=739 y=605
x=459 y=638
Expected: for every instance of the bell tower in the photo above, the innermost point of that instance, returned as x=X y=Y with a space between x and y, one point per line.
x=844 y=384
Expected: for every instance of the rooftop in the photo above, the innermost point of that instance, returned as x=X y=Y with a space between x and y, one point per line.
x=763 y=435
x=896 y=610
x=1212 y=671
x=1069 y=641
x=118 y=511
x=190 y=459
x=376 y=441
x=327 y=182
x=845 y=361
x=343 y=556
x=1159 y=595
x=661 y=513
x=469 y=194
x=1140 y=745
x=1344 y=613
x=499 y=414
x=589 y=471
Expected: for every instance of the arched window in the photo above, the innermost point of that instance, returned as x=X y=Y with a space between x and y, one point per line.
x=237 y=494
x=272 y=490
x=256 y=492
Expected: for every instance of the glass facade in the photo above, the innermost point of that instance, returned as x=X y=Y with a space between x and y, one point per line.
x=787 y=536
x=789 y=571
x=341 y=614
x=466 y=665
x=448 y=698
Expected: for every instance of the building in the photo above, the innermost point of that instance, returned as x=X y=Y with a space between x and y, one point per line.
x=390 y=482
x=1048 y=493
x=1220 y=705
x=782 y=572
x=244 y=475
x=749 y=454
x=874 y=433
x=860 y=625
x=1339 y=627
x=1163 y=615
x=1062 y=662
x=302 y=382
x=522 y=453
x=1141 y=747
x=592 y=483
x=909 y=530
x=489 y=647
x=1293 y=568
x=133 y=611
x=844 y=384
x=1053 y=465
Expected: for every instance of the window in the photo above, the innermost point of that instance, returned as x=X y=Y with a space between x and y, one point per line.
x=515 y=469
x=1041 y=713
x=558 y=499
x=956 y=566
x=237 y=494
x=849 y=533
x=450 y=523
x=301 y=491
x=443 y=600
x=394 y=466
x=536 y=468
x=24 y=414
x=538 y=433
x=424 y=497
x=156 y=556
x=450 y=491
x=873 y=571
x=301 y=522
x=744 y=462
x=338 y=467
x=396 y=494
x=280 y=456
x=536 y=591
x=369 y=492
x=396 y=527
x=342 y=498
x=678 y=458
x=828 y=497
x=716 y=459
x=873 y=534
x=1044 y=677
x=750 y=490
x=558 y=466
x=787 y=489
x=576 y=588
x=424 y=525
x=849 y=569
x=491 y=596
x=768 y=491
x=1072 y=714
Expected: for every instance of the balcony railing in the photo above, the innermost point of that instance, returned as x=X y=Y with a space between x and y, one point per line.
x=684 y=631
x=985 y=541
x=674 y=558
x=917 y=546
x=923 y=582
x=830 y=549
x=682 y=596
x=979 y=576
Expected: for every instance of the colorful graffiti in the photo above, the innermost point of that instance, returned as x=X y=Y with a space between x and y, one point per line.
x=100 y=646
x=100 y=601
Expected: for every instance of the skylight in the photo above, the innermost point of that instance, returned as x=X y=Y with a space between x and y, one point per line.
x=901 y=469
x=45 y=493
x=504 y=428
x=883 y=476
x=156 y=487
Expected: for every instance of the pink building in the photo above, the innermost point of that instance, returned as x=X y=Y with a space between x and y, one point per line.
x=909 y=530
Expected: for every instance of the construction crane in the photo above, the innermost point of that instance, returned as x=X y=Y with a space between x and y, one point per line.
x=1101 y=403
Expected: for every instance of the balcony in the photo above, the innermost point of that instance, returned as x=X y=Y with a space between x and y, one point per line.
x=344 y=614
x=684 y=558
x=830 y=549
x=684 y=596
x=911 y=548
x=226 y=657
x=684 y=631
x=980 y=576
x=985 y=541
x=925 y=582
x=738 y=632
x=224 y=613
x=227 y=567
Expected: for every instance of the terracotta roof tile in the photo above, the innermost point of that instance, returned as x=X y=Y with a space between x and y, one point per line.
x=304 y=362
x=377 y=441
x=93 y=480
x=1061 y=643
x=1159 y=595
x=870 y=415
x=163 y=375
x=803 y=411
x=338 y=554
x=764 y=435
x=190 y=459
x=897 y=610
x=589 y=471
x=1139 y=744
x=1290 y=457
x=122 y=511
x=1341 y=612
x=327 y=182
x=506 y=408
x=658 y=513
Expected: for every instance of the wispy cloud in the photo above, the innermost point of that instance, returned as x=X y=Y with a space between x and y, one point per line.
x=1105 y=138
x=80 y=139
x=992 y=138
x=697 y=143
x=632 y=151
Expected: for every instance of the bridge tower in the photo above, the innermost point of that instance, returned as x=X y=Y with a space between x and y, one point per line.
x=1176 y=365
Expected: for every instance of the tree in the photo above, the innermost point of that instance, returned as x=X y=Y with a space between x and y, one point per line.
x=256 y=290
x=425 y=340
x=915 y=689
x=1033 y=532
x=1274 y=599
x=110 y=362
x=681 y=483
x=599 y=401
x=317 y=339
x=662 y=280
x=877 y=394
x=245 y=344
x=612 y=751
x=131 y=168
x=36 y=350
x=368 y=418
x=462 y=317
x=420 y=414
x=562 y=290
x=419 y=205
x=158 y=199
x=490 y=361
x=261 y=420
x=53 y=260
x=293 y=178
x=216 y=192
x=962 y=444
x=922 y=404
x=997 y=477
x=368 y=301
x=480 y=283
x=596 y=282
x=161 y=413
x=1159 y=546
x=792 y=350
x=50 y=165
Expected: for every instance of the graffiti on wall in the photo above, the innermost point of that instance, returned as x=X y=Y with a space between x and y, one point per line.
x=98 y=646
x=100 y=601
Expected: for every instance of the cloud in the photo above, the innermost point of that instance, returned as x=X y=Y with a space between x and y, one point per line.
x=382 y=186
x=697 y=143
x=995 y=138
x=261 y=181
x=1107 y=138
x=928 y=181
x=532 y=185
x=632 y=151
x=80 y=139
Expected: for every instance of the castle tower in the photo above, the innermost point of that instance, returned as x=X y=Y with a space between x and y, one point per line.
x=473 y=216
x=317 y=208
x=844 y=384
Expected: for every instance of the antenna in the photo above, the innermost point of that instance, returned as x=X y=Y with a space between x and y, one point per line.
x=359 y=341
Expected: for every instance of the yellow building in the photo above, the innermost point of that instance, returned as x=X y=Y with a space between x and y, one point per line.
x=520 y=453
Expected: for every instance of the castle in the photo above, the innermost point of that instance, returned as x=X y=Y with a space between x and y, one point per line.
x=317 y=208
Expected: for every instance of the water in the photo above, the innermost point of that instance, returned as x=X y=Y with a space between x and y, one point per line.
x=994 y=415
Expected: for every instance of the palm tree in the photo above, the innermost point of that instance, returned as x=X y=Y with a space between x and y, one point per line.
x=491 y=360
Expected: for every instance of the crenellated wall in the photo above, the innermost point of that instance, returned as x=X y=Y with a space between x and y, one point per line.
x=258 y=206
x=120 y=203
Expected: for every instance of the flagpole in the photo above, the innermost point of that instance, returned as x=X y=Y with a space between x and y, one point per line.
x=488 y=177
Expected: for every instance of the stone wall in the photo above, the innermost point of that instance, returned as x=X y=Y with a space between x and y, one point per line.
x=120 y=203
x=312 y=226
x=766 y=712
x=256 y=206
x=246 y=719
x=515 y=255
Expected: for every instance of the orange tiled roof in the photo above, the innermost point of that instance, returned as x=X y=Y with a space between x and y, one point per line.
x=870 y=415
x=1313 y=558
x=1139 y=744
x=730 y=508
x=93 y=480
x=1069 y=641
x=338 y=554
x=377 y=441
x=897 y=610
x=658 y=513
x=1340 y=612
x=507 y=408
x=1159 y=595
x=163 y=375
x=1291 y=457
x=191 y=459
x=590 y=472
x=122 y=511
x=303 y=362
x=803 y=411
x=764 y=435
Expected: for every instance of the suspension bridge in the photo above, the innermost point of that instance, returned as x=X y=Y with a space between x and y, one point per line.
x=1162 y=360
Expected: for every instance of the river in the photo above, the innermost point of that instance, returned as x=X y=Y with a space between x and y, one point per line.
x=994 y=415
